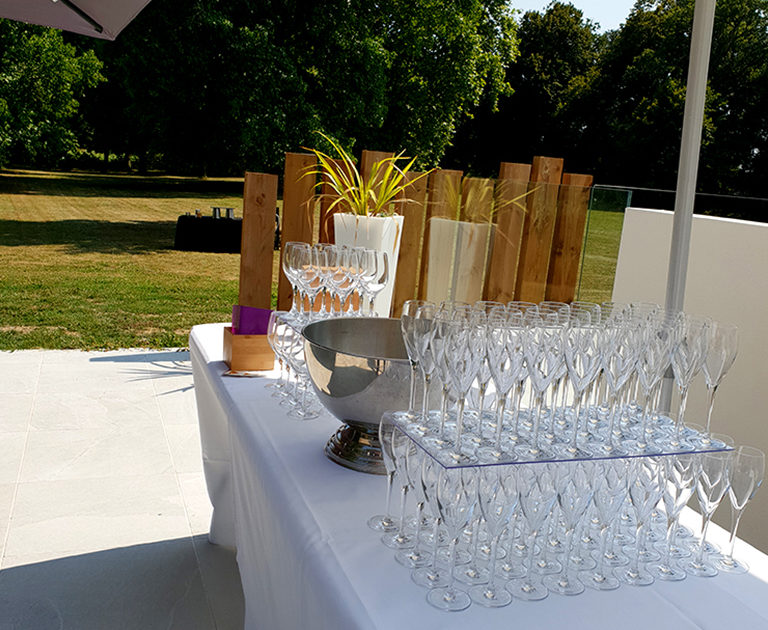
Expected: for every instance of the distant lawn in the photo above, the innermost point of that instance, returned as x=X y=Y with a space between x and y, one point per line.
x=87 y=261
x=601 y=251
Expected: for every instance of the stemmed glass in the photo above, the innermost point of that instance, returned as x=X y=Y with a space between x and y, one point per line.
x=542 y=348
x=618 y=362
x=292 y=264
x=456 y=500
x=537 y=496
x=679 y=476
x=582 y=347
x=746 y=476
x=424 y=328
x=414 y=466
x=688 y=355
x=401 y=450
x=608 y=498
x=505 y=359
x=376 y=266
x=721 y=353
x=653 y=360
x=711 y=485
x=497 y=496
x=273 y=338
x=431 y=575
x=408 y=328
x=304 y=407
x=645 y=487
x=575 y=484
x=463 y=340
x=385 y=522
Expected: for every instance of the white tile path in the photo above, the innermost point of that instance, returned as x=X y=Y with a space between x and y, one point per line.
x=103 y=506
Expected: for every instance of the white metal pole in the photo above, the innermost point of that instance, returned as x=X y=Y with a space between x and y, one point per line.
x=690 y=145
x=693 y=120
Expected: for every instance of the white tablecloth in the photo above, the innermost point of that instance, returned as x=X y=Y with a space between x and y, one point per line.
x=307 y=559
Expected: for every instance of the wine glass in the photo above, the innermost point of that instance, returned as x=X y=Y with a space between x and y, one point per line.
x=608 y=498
x=537 y=496
x=424 y=332
x=723 y=345
x=414 y=465
x=408 y=328
x=688 y=355
x=431 y=575
x=679 y=477
x=575 y=483
x=292 y=254
x=746 y=476
x=378 y=282
x=385 y=522
x=711 y=485
x=401 y=448
x=274 y=342
x=497 y=495
x=456 y=499
x=644 y=493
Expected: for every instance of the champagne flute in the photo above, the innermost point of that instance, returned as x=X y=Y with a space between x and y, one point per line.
x=385 y=522
x=711 y=486
x=497 y=496
x=721 y=353
x=746 y=476
x=456 y=500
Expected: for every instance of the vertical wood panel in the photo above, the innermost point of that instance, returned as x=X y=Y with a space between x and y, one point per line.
x=369 y=158
x=444 y=199
x=568 y=239
x=327 y=197
x=258 y=240
x=413 y=210
x=533 y=267
x=298 y=215
x=510 y=219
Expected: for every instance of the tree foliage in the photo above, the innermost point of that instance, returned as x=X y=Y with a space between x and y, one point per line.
x=42 y=80
x=225 y=86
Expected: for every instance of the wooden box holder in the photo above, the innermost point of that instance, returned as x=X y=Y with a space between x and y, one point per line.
x=250 y=353
x=247 y=353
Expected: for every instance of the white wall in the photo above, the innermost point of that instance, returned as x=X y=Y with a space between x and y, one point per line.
x=728 y=281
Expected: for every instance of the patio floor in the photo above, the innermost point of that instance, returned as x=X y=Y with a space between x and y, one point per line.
x=103 y=506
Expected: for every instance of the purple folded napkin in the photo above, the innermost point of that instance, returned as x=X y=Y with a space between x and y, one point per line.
x=247 y=320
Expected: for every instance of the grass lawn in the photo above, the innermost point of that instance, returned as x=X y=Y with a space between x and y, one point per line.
x=87 y=261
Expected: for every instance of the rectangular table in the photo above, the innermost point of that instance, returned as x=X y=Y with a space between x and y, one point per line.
x=307 y=559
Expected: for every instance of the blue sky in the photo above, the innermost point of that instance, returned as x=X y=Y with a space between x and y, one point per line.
x=608 y=13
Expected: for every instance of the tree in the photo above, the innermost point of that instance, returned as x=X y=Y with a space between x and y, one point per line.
x=42 y=81
x=222 y=87
x=638 y=97
x=559 y=50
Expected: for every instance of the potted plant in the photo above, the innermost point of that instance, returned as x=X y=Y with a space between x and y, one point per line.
x=365 y=209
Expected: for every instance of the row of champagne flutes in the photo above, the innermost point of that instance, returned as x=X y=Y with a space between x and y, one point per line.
x=491 y=533
x=292 y=387
x=569 y=381
x=333 y=273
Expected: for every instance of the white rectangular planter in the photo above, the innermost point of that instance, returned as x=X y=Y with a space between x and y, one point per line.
x=380 y=233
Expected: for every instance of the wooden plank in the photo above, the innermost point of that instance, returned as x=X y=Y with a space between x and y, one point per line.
x=413 y=210
x=298 y=213
x=258 y=240
x=533 y=266
x=476 y=200
x=444 y=200
x=369 y=158
x=327 y=196
x=568 y=239
x=510 y=218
